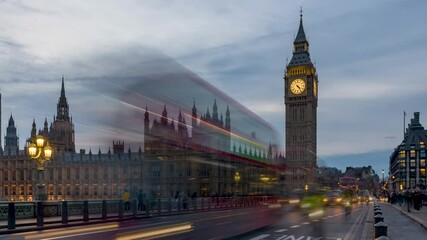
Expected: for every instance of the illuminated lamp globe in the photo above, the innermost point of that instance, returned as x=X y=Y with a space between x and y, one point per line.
x=40 y=141
x=48 y=152
x=32 y=150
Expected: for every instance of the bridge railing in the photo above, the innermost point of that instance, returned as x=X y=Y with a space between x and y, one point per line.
x=40 y=214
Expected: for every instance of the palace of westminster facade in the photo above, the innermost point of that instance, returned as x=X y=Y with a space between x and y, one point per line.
x=206 y=161
x=171 y=160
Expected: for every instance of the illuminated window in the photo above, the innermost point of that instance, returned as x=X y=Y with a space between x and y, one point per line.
x=422 y=162
x=422 y=172
x=422 y=145
x=412 y=153
x=21 y=190
x=412 y=163
x=51 y=189
x=402 y=163
x=29 y=190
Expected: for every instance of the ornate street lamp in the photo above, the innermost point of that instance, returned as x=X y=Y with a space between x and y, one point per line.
x=41 y=152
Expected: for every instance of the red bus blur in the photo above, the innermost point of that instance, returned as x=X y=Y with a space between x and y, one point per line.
x=348 y=183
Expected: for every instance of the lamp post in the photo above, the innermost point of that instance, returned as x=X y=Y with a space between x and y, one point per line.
x=383 y=175
x=237 y=180
x=41 y=152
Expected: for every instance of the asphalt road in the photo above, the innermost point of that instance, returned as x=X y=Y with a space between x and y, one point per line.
x=332 y=224
x=246 y=223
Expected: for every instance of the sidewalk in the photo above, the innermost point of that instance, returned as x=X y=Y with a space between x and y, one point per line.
x=418 y=216
x=400 y=225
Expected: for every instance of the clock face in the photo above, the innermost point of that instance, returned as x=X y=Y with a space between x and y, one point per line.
x=297 y=86
x=315 y=88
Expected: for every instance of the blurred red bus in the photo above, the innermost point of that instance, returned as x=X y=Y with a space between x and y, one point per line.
x=349 y=183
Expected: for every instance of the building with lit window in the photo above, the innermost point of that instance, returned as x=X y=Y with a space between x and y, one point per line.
x=171 y=160
x=408 y=160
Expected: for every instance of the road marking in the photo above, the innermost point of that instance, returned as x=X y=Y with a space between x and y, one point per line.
x=281 y=230
x=223 y=223
x=295 y=226
x=305 y=223
x=260 y=237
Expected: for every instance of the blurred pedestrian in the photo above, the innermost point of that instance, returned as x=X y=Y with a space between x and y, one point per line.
x=126 y=199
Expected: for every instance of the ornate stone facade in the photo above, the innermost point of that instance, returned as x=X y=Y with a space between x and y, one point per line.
x=301 y=93
x=201 y=161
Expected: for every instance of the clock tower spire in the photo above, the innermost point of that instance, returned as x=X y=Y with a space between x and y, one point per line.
x=301 y=115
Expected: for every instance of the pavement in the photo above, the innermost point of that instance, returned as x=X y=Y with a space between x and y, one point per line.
x=418 y=216
x=404 y=225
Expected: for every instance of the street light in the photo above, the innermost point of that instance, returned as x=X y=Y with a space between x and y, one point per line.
x=237 y=180
x=383 y=175
x=41 y=152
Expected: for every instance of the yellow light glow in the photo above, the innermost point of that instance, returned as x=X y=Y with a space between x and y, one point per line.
x=40 y=141
x=71 y=231
x=157 y=232
x=32 y=150
x=48 y=152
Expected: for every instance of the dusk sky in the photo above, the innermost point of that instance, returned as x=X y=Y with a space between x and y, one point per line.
x=369 y=55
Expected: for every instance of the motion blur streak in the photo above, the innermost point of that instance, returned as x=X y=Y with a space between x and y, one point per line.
x=72 y=231
x=157 y=232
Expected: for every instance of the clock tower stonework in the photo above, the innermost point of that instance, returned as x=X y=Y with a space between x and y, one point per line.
x=301 y=94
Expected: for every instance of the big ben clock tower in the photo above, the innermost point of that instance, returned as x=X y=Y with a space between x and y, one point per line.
x=301 y=116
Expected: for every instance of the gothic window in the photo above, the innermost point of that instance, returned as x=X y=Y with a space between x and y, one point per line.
x=86 y=190
x=86 y=173
x=13 y=190
x=105 y=191
x=95 y=190
x=5 y=190
x=51 y=189
x=29 y=189
x=13 y=175
x=68 y=190
x=105 y=171
x=5 y=175
x=21 y=189
x=77 y=173
x=77 y=190
x=21 y=173
x=59 y=171
x=115 y=173
x=51 y=174
x=68 y=173
x=95 y=173
x=59 y=189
